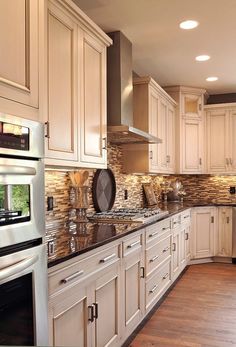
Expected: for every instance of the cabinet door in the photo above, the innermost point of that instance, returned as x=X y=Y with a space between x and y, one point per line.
x=93 y=104
x=187 y=242
x=62 y=45
x=192 y=105
x=171 y=138
x=162 y=133
x=225 y=232
x=203 y=223
x=68 y=318
x=107 y=298
x=217 y=141
x=182 y=248
x=19 y=51
x=175 y=255
x=133 y=286
x=154 y=101
x=232 y=140
x=192 y=142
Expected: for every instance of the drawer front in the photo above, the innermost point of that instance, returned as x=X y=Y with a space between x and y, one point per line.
x=132 y=244
x=176 y=221
x=155 y=232
x=157 y=254
x=82 y=268
x=157 y=284
x=185 y=217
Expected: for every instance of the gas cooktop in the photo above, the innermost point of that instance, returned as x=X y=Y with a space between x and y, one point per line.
x=142 y=215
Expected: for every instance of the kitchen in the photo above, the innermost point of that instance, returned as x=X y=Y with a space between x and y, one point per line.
x=101 y=129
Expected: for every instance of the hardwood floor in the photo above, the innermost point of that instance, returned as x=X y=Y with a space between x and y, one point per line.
x=199 y=311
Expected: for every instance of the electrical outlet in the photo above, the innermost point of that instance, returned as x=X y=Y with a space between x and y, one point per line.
x=126 y=194
x=232 y=190
x=50 y=203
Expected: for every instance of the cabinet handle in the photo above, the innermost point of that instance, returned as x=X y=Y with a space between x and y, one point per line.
x=163 y=229
x=91 y=313
x=134 y=244
x=151 y=155
x=165 y=249
x=168 y=159
x=174 y=247
x=153 y=234
x=95 y=304
x=47 y=130
x=165 y=277
x=104 y=140
x=72 y=277
x=227 y=161
x=109 y=257
x=153 y=289
x=186 y=236
x=186 y=217
x=212 y=219
x=200 y=161
x=154 y=258
x=227 y=220
x=143 y=272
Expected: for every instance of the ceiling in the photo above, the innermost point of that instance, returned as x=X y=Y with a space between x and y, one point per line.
x=164 y=51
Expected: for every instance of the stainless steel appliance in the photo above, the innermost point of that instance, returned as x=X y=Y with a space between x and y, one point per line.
x=23 y=268
x=142 y=215
x=234 y=235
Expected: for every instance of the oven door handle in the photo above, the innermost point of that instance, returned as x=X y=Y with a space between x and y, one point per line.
x=17 y=170
x=17 y=267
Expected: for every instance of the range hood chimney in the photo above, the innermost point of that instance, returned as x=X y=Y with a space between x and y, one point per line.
x=120 y=94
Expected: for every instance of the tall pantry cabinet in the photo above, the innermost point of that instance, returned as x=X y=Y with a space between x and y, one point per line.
x=190 y=158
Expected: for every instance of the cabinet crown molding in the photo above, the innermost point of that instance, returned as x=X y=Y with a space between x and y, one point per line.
x=230 y=105
x=185 y=89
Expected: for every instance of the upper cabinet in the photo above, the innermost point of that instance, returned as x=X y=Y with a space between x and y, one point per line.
x=75 y=113
x=221 y=143
x=154 y=112
x=190 y=157
x=20 y=33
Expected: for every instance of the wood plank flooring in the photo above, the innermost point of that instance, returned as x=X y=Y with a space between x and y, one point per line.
x=199 y=311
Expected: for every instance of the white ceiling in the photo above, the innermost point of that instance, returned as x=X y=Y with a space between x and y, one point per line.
x=164 y=51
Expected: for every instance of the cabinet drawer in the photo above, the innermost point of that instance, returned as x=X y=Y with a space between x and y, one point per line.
x=185 y=216
x=132 y=244
x=157 y=254
x=155 y=232
x=81 y=269
x=158 y=283
x=176 y=221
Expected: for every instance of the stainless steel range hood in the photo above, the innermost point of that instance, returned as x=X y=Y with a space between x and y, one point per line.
x=121 y=128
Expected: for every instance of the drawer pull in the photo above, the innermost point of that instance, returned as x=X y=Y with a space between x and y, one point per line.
x=164 y=228
x=91 y=313
x=96 y=310
x=154 y=258
x=134 y=244
x=153 y=234
x=165 y=277
x=165 y=249
x=186 y=216
x=186 y=237
x=109 y=257
x=153 y=289
x=143 y=272
x=72 y=277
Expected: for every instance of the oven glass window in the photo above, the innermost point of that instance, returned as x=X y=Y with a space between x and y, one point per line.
x=14 y=203
x=16 y=309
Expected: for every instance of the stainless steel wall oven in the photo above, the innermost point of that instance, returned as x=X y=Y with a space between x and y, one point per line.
x=23 y=268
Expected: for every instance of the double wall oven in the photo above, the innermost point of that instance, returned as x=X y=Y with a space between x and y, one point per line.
x=23 y=268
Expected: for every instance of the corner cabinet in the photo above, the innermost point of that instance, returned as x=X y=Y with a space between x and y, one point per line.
x=190 y=126
x=75 y=97
x=20 y=65
x=154 y=112
x=221 y=143
x=224 y=235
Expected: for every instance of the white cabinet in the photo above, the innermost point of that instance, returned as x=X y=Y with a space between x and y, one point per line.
x=224 y=234
x=20 y=34
x=154 y=112
x=221 y=126
x=75 y=97
x=175 y=254
x=204 y=226
x=190 y=157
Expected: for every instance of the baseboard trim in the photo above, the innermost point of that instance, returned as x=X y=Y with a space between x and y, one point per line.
x=201 y=261
x=153 y=310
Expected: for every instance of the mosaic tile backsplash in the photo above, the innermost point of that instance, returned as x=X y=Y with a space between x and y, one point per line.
x=197 y=187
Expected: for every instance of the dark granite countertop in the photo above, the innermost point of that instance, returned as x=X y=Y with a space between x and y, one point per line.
x=93 y=235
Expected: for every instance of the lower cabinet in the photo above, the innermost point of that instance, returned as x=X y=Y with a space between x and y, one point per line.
x=204 y=224
x=224 y=235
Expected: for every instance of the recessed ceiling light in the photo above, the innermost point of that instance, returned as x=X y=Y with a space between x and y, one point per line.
x=203 y=57
x=189 y=24
x=211 y=79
